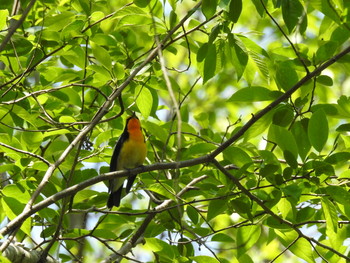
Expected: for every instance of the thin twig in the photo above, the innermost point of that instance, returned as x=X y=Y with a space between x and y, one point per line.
x=25 y=152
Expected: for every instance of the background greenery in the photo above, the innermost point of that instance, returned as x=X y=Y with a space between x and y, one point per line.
x=246 y=110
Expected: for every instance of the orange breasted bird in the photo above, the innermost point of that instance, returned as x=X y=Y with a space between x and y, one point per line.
x=129 y=152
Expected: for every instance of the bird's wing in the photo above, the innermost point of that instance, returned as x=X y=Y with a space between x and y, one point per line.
x=114 y=161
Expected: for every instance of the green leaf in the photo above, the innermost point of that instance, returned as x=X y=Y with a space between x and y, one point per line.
x=84 y=195
x=103 y=233
x=221 y=237
x=252 y=94
x=259 y=7
x=326 y=51
x=245 y=258
x=32 y=140
x=18 y=192
x=185 y=247
x=192 y=214
x=198 y=149
x=67 y=119
x=292 y=10
x=299 y=130
x=204 y=259
x=242 y=206
x=76 y=56
x=285 y=208
x=301 y=248
x=340 y=35
x=72 y=30
x=4 y=259
x=318 y=130
x=286 y=76
x=216 y=207
x=235 y=10
x=247 y=237
x=18 y=46
x=323 y=168
x=330 y=214
x=328 y=9
x=238 y=55
x=160 y=247
x=305 y=214
x=209 y=63
x=283 y=116
x=284 y=139
x=272 y=222
x=144 y=101
x=344 y=105
x=258 y=127
x=325 y=80
x=339 y=194
x=58 y=21
x=343 y=127
x=290 y=159
x=209 y=8
x=163 y=189
x=269 y=169
x=3 y=18
x=292 y=192
x=142 y=3
x=173 y=19
x=102 y=55
x=339 y=157
x=237 y=156
x=157 y=132
x=202 y=52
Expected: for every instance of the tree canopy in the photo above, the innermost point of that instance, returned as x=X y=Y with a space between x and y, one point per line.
x=245 y=106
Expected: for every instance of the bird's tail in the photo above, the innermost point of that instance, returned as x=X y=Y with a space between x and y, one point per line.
x=114 y=198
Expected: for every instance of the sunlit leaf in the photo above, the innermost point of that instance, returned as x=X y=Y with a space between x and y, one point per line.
x=209 y=8
x=254 y=93
x=292 y=11
x=330 y=214
x=3 y=18
x=102 y=55
x=239 y=58
x=286 y=75
x=216 y=207
x=209 y=63
x=144 y=101
x=318 y=130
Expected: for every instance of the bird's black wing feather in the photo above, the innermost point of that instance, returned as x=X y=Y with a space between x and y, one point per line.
x=114 y=160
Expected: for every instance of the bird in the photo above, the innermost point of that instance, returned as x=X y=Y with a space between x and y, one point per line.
x=129 y=152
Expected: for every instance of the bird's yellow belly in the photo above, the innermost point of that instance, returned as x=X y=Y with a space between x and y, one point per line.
x=132 y=154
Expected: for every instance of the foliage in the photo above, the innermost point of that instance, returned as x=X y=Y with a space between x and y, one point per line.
x=246 y=110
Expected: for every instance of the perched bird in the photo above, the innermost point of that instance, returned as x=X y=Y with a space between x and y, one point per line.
x=129 y=152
